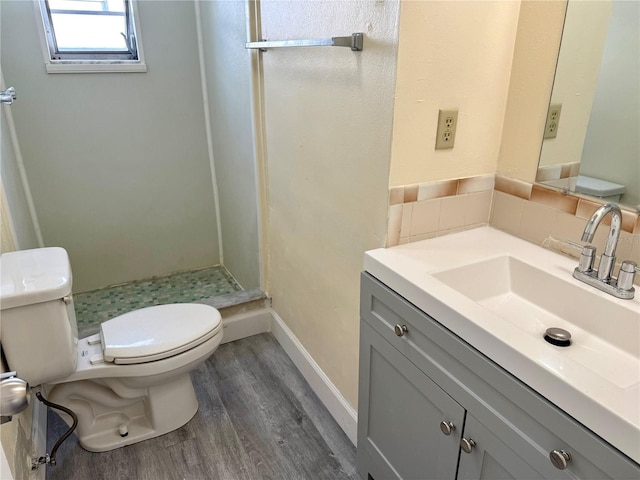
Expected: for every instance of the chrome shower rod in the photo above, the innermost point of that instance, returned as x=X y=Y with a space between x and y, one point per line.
x=354 y=42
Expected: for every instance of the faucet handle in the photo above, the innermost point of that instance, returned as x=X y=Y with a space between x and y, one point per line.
x=627 y=273
x=574 y=244
x=587 y=258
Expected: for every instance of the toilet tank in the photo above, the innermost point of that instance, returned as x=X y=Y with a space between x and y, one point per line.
x=38 y=329
x=596 y=187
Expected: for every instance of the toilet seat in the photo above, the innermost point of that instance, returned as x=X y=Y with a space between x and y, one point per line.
x=159 y=332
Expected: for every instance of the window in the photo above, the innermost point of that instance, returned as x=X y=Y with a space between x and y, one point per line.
x=91 y=35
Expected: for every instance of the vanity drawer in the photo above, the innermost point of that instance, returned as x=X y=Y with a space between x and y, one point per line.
x=517 y=416
x=385 y=311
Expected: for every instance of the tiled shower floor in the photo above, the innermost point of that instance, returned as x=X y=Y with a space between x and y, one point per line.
x=97 y=306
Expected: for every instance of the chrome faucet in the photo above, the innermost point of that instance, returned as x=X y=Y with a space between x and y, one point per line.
x=608 y=259
x=602 y=278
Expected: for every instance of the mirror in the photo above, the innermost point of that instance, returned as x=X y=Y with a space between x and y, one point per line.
x=591 y=141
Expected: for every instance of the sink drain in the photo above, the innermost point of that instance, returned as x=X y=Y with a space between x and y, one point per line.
x=558 y=336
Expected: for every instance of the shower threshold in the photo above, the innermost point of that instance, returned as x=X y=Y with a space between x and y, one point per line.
x=212 y=286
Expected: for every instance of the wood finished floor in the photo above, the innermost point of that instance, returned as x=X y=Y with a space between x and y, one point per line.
x=258 y=419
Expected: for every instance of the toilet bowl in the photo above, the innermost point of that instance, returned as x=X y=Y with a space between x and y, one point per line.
x=126 y=384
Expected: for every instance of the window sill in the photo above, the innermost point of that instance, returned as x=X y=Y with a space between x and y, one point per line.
x=96 y=67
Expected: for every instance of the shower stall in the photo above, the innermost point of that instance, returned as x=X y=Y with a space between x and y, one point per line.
x=138 y=175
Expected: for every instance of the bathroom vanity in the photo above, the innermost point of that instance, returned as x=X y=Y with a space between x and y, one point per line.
x=451 y=389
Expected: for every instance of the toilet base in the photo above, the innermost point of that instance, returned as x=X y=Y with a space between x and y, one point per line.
x=107 y=407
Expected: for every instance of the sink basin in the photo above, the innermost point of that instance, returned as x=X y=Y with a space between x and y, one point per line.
x=605 y=335
x=500 y=293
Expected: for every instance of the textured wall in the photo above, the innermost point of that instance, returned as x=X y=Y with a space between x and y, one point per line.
x=451 y=55
x=328 y=118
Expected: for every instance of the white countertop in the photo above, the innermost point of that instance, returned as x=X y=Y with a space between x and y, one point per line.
x=608 y=409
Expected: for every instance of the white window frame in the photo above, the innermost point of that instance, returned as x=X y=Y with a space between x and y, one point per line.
x=53 y=65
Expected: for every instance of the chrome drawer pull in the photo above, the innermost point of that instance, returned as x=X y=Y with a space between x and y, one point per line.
x=560 y=459
x=400 y=329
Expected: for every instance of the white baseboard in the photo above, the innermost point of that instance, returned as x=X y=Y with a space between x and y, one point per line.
x=246 y=324
x=329 y=395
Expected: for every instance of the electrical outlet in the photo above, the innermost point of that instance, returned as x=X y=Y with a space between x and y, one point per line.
x=446 y=134
x=553 y=120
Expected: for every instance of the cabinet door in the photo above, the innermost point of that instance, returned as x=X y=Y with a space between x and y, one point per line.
x=400 y=410
x=491 y=459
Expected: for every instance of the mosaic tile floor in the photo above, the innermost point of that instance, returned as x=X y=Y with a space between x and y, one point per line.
x=97 y=306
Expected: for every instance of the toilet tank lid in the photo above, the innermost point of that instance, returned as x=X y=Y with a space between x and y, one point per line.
x=598 y=187
x=34 y=276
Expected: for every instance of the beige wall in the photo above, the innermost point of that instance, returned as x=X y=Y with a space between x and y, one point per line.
x=534 y=61
x=328 y=114
x=328 y=121
x=451 y=55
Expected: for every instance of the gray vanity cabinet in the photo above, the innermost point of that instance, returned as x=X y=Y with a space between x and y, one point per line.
x=403 y=408
x=402 y=402
x=426 y=397
x=490 y=458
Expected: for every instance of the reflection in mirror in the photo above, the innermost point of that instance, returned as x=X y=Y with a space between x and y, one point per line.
x=591 y=143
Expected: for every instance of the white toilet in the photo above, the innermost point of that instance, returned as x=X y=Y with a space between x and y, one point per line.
x=126 y=384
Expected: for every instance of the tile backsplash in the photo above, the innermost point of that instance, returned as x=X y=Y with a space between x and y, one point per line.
x=557 y=172
x=427 y=210
x=552 y=219
x=540 y=215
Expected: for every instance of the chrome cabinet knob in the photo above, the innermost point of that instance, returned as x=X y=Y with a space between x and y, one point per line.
x=560 y=459
x=400 y=329
x=447 y=427
x=467 y=445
